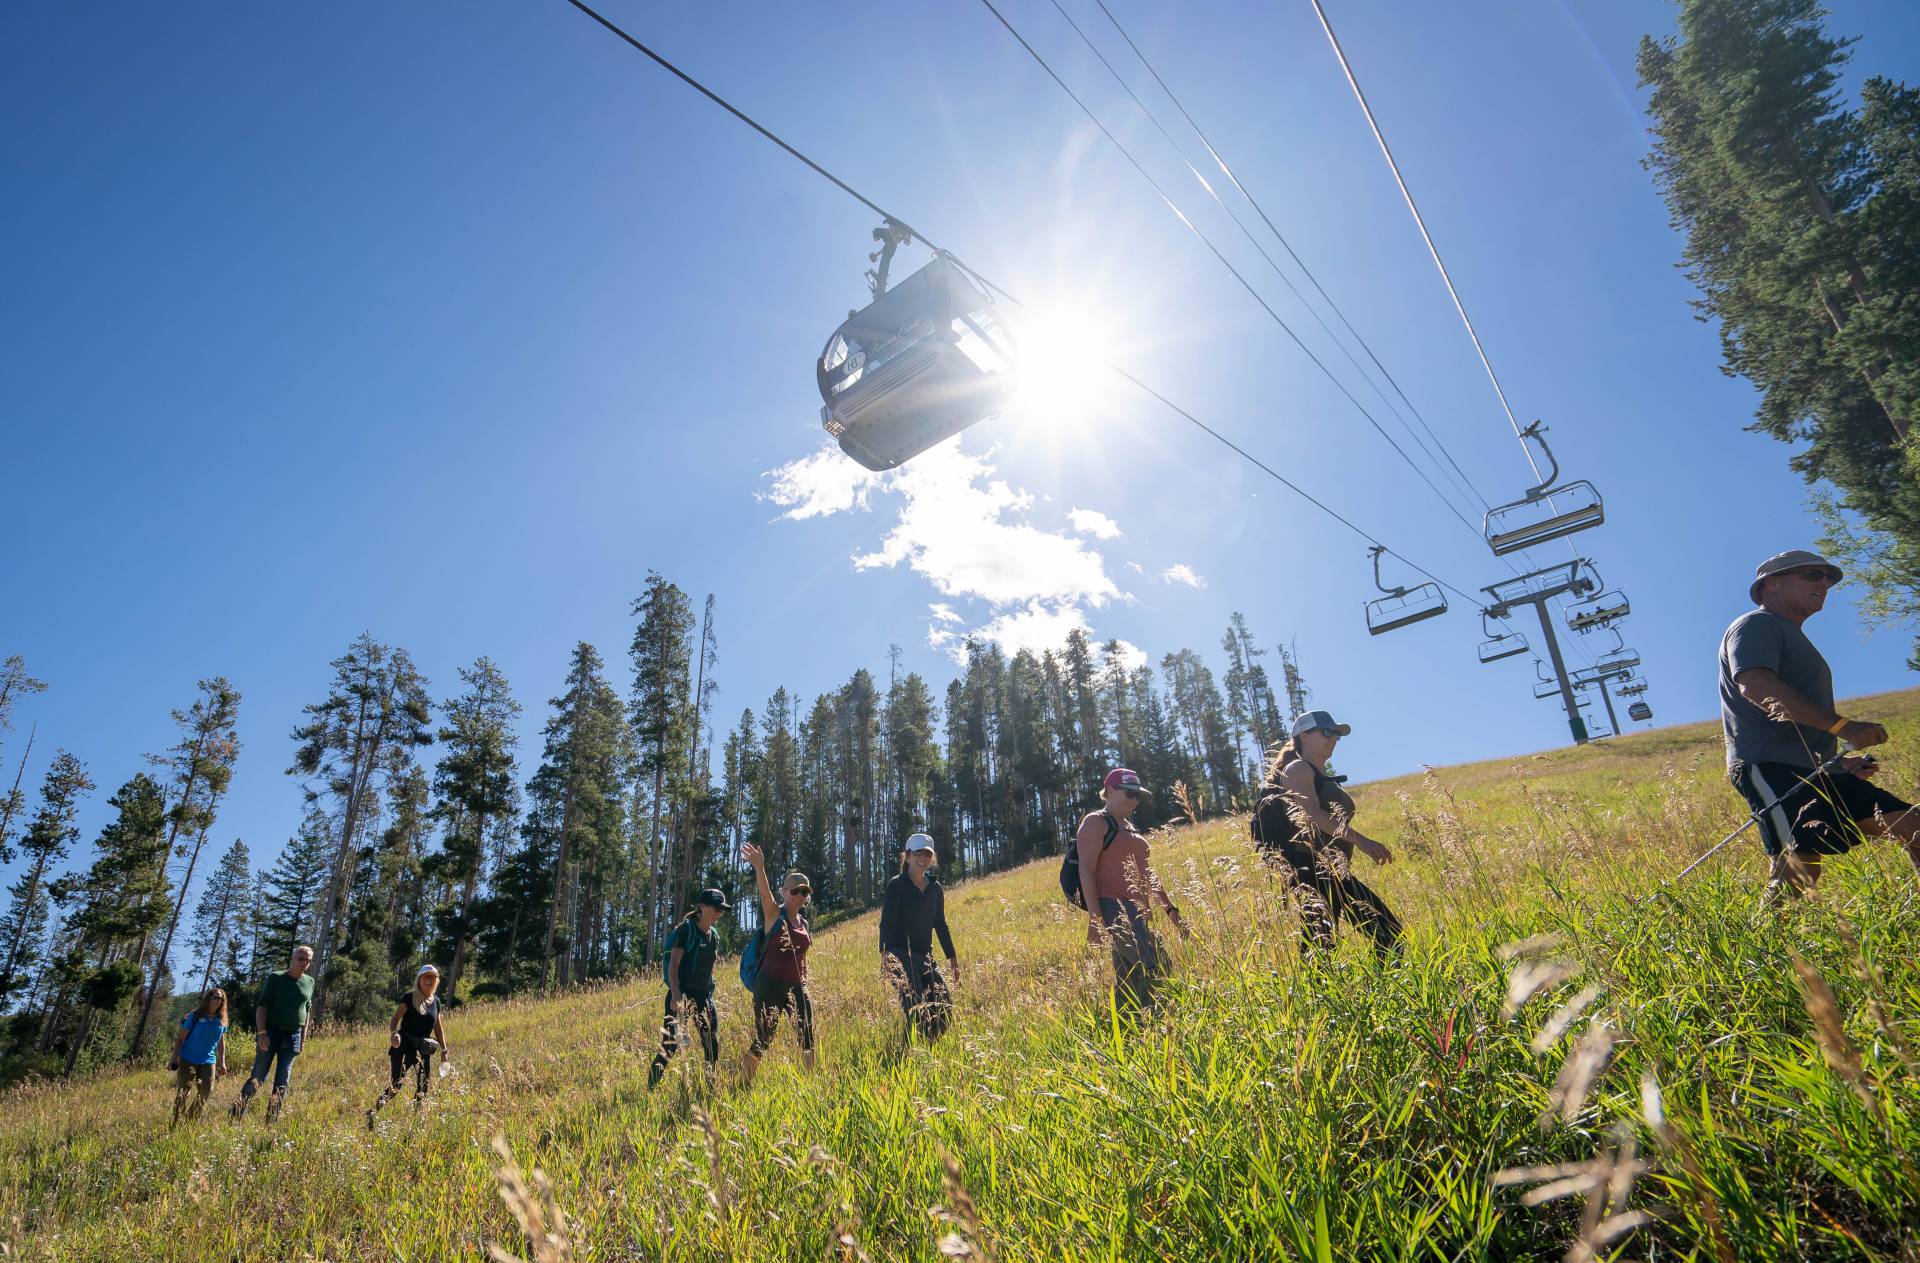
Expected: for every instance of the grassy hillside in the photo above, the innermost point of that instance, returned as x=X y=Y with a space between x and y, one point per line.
x=1280 y=1107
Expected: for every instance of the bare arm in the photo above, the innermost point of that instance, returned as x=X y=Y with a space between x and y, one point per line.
x=440 y=1033
x=260 y=1026
x=393 y=1027
x=768 y=908
x=1775 y=696
x=1296 y=782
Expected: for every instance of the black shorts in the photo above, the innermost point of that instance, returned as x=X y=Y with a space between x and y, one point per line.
x=1817 y=816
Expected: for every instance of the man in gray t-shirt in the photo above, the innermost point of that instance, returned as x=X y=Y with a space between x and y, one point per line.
x=1776 y=711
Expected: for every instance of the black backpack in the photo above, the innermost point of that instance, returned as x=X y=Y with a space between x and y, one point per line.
x=1070 y=862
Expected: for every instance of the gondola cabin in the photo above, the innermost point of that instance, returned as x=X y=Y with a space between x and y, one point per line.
x=1640 y=712
x=922 y=362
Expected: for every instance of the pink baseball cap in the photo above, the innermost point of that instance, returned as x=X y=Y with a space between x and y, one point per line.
x=1125 y=778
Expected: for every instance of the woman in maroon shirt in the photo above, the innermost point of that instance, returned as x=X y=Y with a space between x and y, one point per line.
x=781 y=984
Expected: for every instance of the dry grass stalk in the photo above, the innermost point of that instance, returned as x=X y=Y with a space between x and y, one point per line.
x=540 y=1218
x=967 y=1238
x=1564 y=1018
x=710 y=1141
x=1531 y=978
x=1538 y=945
x=1831 y=1034
x=1582 y=1066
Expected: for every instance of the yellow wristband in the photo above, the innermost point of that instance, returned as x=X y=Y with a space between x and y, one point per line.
x=1838 y=724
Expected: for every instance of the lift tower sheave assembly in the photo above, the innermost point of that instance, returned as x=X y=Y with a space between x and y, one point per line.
x=1536 y=588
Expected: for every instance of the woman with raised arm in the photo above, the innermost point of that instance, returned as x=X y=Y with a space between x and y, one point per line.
x=1303 y=826
x=781 y=985
x=914 y=912
x=414 y=1035
x=199 y=1054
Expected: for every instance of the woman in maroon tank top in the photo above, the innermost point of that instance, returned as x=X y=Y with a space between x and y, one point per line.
x=781 y=985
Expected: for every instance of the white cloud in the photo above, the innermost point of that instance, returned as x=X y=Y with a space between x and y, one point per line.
x=1094 y=523
x=1181 y=572
x=824 y=483
x=1131 y=656
x=959 y=529
x=965 y=531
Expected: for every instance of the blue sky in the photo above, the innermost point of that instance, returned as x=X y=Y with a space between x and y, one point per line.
x=450 y=322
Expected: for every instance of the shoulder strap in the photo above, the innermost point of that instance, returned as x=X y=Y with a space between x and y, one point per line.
x=1113 y=831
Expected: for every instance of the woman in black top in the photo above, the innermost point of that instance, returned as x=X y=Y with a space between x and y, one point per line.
x=916 y=910
x=415 y=1035
x=691 y=950
x=1303 y=826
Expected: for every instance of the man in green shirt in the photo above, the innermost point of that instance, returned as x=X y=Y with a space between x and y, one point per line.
x=280 y=1027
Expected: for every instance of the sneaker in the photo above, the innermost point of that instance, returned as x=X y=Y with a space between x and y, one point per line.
x=371 y=1115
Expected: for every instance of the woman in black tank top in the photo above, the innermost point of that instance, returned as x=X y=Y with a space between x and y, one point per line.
x=1303 y=826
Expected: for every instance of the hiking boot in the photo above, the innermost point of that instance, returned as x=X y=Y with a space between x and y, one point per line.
x=274 y=1105
x=371 y=1115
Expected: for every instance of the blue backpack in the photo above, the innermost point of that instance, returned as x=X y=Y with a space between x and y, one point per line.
x=755 y=951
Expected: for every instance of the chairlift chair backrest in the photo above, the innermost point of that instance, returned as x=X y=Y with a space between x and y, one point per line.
x=920 y=363
x=1549 y=510
x=1401 y=607
x=1543 y=689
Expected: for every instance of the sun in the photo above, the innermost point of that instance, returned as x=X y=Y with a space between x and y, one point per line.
x=1064 y=383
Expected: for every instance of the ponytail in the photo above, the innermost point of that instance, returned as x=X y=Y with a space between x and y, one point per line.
x=1278 y=760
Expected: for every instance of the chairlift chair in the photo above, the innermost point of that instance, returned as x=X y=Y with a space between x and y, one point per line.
x=1548 y=511
x=1600 y=611
x=1618 y=660
x=1543 y=689
x=920 y=363
x=1499 y=645
x=1640 y=712
x=1401 y=607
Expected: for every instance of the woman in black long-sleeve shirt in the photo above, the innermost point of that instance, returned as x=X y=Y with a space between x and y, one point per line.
x=915 y=911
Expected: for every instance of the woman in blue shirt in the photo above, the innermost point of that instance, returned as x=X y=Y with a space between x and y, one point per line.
x=199 y=1053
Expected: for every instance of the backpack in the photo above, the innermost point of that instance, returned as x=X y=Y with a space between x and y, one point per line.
x=666 y=957
x=754 y=953
x=1070 y=863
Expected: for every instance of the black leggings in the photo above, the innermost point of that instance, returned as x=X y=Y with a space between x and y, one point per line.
x=706 y=1024
x=924 y=997
x=1326 y=896
x=771 y=998
x=410 y=1053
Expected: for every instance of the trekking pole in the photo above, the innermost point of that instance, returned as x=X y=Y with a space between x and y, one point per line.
x=1753 y=819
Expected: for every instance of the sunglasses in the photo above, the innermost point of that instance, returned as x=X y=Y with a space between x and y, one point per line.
x=1329 y=733
x=800 y=890
x=1813 y=574
x=1132 y=794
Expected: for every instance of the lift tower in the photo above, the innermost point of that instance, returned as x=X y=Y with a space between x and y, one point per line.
x=1536 y=588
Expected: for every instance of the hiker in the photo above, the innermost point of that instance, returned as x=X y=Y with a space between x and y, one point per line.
x=915 y=910
x=691 y=951
x=1807 y=807
x=1303 y=826
x=413 y=1036
x=199 y=1053
x=280 y=1026
x=1118 y=887
x=781 y=984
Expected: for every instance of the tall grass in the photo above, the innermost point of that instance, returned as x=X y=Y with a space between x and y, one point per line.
x=1756 y=1096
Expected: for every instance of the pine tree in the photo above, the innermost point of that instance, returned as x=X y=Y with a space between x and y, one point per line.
x=220 y=917
x=662 y=718
x=576 y=813
x=1802 y=221
x=1298 y=694
x=15 y=683
x=48 y=836
x=122 y=901
x=294 y=890
x=377 y=703
x=202 y=768
x=475 y=781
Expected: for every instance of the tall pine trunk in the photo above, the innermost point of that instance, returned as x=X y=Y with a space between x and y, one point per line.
x=161 y=963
